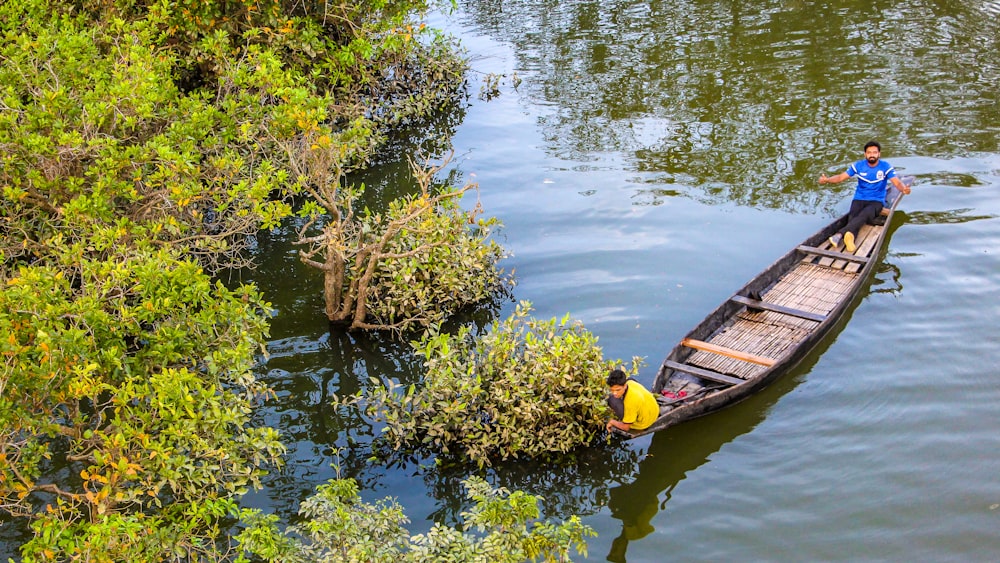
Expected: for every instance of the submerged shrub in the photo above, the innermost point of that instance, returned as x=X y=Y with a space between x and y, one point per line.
x=337 y=525
x=526 y=388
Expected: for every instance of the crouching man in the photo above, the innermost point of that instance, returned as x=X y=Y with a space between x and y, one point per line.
x=634 y=407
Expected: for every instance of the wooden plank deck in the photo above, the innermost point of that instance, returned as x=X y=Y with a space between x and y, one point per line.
x=867 y=237
x=817 y=285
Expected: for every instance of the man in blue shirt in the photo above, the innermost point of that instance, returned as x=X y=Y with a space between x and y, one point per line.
x=873 y=177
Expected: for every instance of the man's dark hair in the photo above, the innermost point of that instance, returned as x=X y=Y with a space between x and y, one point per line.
x=617 y=377
x=873 y=144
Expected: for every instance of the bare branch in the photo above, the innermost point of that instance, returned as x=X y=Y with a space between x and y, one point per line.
x=313 y=263
x=52 y=488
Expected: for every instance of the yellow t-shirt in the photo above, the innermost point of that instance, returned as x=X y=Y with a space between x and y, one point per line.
x=641 y=409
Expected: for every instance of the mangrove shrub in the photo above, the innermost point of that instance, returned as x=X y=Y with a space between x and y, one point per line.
x=143 y=144
x=526 y=388
x=125 y=399
x=412 y=264
x=501 y=527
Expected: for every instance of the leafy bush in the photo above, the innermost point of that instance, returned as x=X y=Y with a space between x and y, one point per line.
x=526 y=388
x=102 y=149
x=443 y=265
x=338 y=526
x=135 y=379
x=413 y=265
x=143 y=144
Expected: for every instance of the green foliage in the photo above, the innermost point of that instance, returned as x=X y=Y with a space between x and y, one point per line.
x=186 y=532
x=136 y=377
x=436 y=264
x=526 y=388
x=338 y=526
x=413 y=265
x=186 y=124
x=143 y=143
x=102 y=150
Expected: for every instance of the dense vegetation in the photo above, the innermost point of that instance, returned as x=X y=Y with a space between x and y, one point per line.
x=501 y=527
x=143 y=144
x=411 y=265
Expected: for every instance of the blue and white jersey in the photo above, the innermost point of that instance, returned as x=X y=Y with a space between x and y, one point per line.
x=872 y=180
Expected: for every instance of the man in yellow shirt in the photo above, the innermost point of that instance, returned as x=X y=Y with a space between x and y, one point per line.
x=635 y=408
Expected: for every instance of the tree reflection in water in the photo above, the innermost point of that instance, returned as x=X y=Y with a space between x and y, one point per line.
x=736 y=102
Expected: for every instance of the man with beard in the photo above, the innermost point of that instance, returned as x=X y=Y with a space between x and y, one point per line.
x=869 y=197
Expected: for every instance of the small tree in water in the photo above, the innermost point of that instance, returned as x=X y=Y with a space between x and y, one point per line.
x=526 y=388
x=418 y=262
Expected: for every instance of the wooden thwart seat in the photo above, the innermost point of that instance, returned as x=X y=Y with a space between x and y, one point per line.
x=703 y=373
x=728 y=352
x=757 y=304
x=833 y=254
x=871 y=235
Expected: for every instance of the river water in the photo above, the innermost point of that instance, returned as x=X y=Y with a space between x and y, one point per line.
x=647 y=160
x=651 y=159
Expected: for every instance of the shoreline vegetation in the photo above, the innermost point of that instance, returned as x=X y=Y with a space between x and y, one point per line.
x=145 y=143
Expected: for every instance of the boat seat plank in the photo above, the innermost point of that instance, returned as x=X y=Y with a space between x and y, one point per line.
x=866 y=246
x=728 y=352
x=833 y=254
x=703 y=373
x=757 y=304
x=867 y=237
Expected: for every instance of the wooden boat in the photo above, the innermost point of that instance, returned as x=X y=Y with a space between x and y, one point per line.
x=768 y=325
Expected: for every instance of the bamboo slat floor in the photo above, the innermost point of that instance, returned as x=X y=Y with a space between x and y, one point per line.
x=817 y=285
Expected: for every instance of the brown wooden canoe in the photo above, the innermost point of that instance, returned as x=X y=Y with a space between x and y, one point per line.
x=768 y=325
